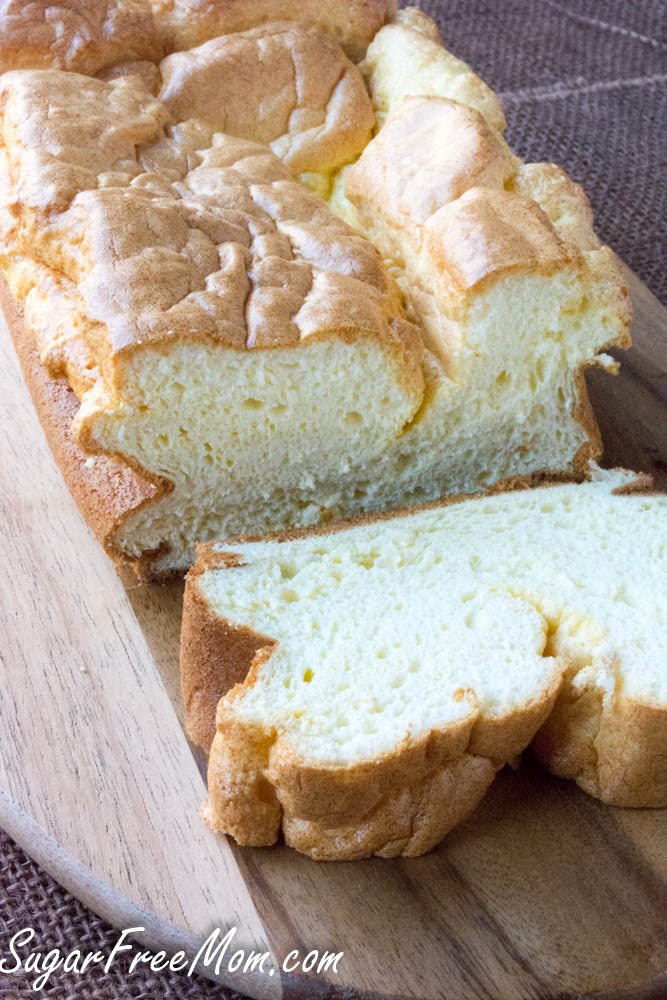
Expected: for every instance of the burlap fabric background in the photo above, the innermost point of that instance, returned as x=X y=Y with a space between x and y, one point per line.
x=583 y=84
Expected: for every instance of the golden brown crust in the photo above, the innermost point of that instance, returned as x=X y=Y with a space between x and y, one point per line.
x=615 y=747
x=433 y=181
x=486 y=234
x=428 y=153
x=145 y=250
x=215 y=655
x=404 y=801
x=319 y=116
x=411 y=43
x=339 y=795
x=126 y=212
x=407 y=821
x=563 y=201
x=500 y=739
x=583 y=413
x=185 y=23
x=86 y=36
x=237 y=782
x=106 y=488
x=81 y=36
x=400 y=802
x=184 y=235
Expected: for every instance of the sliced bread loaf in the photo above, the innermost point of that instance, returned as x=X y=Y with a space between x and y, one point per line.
x=375 y=677
x=211 y=350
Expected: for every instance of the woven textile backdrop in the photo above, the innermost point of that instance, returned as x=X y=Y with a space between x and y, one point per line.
x=583 y=85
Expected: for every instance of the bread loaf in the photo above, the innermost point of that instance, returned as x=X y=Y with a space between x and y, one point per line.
x=374 y=677
x=268 y=317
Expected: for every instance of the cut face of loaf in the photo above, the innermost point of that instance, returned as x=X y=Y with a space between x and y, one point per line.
x=504 y=276
x=220 y=326
x=396 y=664
x=254 y=361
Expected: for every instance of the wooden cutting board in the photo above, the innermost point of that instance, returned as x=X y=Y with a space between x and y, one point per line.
x=544 y=892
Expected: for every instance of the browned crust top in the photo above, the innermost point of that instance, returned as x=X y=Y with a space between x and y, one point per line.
x=107 y=487
x=85 y=36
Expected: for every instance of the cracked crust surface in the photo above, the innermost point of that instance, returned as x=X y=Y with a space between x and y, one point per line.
x=165 y=230
x=130 y=223
x=81 y=36
x=439 y=187
x=429 y=153
x=320 y=117
x=87 y=36
x=353 y=23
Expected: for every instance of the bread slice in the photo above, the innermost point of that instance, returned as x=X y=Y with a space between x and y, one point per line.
x=373 y=678
x=247 y=359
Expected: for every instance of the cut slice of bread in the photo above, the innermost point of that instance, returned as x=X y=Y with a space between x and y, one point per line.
x=373 y=678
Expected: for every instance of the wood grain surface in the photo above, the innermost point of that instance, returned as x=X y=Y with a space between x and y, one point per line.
x=542 y=893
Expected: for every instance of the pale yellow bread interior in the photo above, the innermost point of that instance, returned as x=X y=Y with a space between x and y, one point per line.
x=456 y=628
x=407 y=58
x=273 y=316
